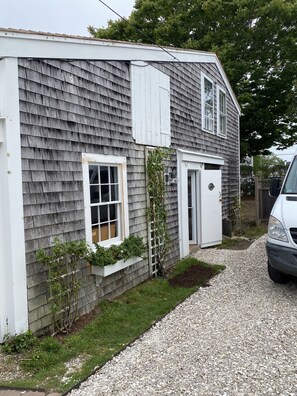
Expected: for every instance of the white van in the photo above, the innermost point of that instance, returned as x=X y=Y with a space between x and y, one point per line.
x=281 y=245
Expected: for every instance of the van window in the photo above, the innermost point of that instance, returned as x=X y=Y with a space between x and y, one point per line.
x=290 y=186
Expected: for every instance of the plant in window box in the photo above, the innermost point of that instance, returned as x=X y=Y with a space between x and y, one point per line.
x=106 y=261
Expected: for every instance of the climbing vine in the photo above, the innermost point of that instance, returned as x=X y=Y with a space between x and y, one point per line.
x=62 y=261
x=157 y=214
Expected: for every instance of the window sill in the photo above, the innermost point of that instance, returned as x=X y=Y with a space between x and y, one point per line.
x=111 y=269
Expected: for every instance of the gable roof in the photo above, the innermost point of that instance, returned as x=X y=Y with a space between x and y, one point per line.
x=29 y=44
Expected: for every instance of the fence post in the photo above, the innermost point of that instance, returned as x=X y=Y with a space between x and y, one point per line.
x=257 y=200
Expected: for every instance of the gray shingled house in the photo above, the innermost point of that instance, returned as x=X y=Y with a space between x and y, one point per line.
x=69 y=104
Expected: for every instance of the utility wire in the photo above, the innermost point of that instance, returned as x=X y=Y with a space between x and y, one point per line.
x=136 y=28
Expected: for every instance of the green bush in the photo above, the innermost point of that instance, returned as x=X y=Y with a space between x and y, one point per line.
x=19 y=343
x=132 y=246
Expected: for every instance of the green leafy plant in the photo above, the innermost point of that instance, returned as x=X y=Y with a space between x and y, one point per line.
x=132 y=246
x=62 y=261
x=19 y=343
x=157 y=213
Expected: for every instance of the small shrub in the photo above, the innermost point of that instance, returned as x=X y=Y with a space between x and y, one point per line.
x=50 y=344
x=62 y=260
x=19 y=343
x=132 y=246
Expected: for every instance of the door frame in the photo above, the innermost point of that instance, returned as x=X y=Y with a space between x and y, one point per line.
x=193 y=174
x=187 y=161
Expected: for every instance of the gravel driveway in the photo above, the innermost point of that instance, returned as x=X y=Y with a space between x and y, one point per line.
x=236 y=337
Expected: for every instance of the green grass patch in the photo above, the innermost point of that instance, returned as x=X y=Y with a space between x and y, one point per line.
x=119 y=322
x=254 y=232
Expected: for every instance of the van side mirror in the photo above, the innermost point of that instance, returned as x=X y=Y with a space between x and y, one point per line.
x=275 y=187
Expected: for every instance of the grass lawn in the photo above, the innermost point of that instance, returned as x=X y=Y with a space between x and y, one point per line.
x=118 y=323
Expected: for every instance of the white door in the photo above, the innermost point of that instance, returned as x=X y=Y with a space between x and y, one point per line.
x=211 y=207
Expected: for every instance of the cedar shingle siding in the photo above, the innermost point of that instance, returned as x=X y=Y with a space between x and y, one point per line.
x=72 y=107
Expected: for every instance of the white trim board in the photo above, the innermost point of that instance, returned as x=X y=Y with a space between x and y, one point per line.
x=13 y=285
x=20 y=44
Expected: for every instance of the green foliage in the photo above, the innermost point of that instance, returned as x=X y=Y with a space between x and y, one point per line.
x=62 y=261
x=132 y=246
x=236 y=215
x=50 y=344
x=19 y=343
x=254 y=232
x=256 y=43
x=266 y=166
x=157 y=213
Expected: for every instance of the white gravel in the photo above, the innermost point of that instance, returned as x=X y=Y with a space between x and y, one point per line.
x=236 y=337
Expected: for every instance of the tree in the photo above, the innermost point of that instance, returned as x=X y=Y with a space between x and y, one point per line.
x=266 y=166
x=256 y=43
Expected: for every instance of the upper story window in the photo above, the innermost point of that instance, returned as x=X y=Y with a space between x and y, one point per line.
x=207 y=104
x=150 y=90
x=221 y=113
x=105 y=194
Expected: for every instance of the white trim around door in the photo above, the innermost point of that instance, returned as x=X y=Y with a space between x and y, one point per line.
x=191 y=164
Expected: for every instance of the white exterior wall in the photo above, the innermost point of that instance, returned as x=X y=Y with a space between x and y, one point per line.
x=13 y=290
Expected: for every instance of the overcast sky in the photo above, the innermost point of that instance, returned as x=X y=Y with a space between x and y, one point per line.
x=60 y=16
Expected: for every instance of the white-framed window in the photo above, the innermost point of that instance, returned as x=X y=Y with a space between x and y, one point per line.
x=221 y=113
x=207 y=90
x=106 y=198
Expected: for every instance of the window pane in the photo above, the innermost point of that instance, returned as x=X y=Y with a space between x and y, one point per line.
x=113 y=174
x=208 y=92
x=104 y=234
x=208 y=111
x=95 y=234
x=222 y=103
x=114 y=192
x=223 y=124
x=105 y=194
x=94 y=194
x=103 y=213
x=113 y=229
x=113 y=212
x=189 y=191
x=93 y=174
x=94 y=215
x=104 y=179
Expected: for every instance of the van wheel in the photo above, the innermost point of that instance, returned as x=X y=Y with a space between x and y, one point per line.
x=277 y=276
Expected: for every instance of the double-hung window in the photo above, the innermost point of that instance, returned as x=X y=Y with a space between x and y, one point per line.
x=207 y=104
x=221 y=113
x=105 y=195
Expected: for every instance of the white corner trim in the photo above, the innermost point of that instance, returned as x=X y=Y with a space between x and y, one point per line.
x=13 y=285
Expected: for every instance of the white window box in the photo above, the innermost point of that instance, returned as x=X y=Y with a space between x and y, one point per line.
x=111 y=269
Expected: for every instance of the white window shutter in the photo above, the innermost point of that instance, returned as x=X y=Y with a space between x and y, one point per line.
x=150 y=90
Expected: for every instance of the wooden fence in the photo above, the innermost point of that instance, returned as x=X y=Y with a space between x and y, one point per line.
x=263 y=200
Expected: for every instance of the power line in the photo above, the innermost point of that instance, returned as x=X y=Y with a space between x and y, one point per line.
x=136 y=28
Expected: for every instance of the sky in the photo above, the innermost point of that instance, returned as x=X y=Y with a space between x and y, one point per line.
x=285 y=155
x=61 y=16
